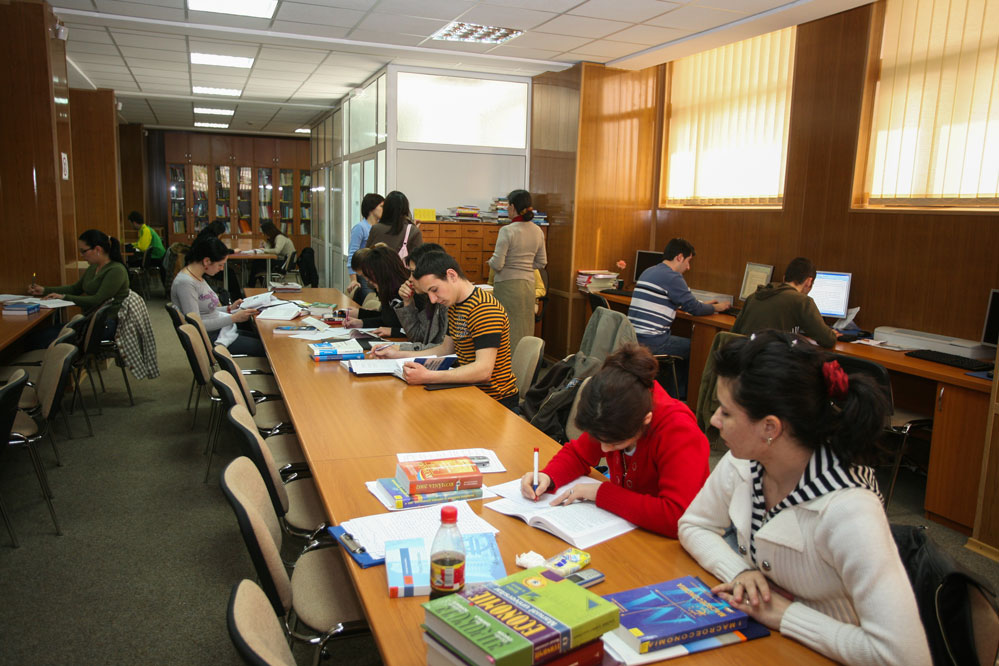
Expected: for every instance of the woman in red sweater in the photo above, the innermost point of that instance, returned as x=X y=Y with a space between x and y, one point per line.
x=657 y=456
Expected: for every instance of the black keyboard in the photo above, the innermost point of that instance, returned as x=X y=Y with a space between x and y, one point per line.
x=732 y=311
x=618 y=292
x=963 y=362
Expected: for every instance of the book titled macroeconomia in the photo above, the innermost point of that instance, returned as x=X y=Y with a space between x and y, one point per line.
x=526 y=618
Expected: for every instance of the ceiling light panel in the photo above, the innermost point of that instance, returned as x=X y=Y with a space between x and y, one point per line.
x=215 y=125
x=209 y=111
x=255 y=8
x=221 y=60
x=303 y=130
x=475 y=33
x=206 y=90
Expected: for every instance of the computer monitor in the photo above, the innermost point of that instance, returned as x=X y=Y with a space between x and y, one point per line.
x=831 y=293
x=646 y=259
x=990 y=332
x=754 y=276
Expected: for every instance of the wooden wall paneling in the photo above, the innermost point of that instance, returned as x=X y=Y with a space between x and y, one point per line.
x=303 y=154
x=264 y=151
x=64 y=144
x=132 y=150
x=199 y=145
x=242 y=150
x=95 y=160
x=986 y=533
x=156 y=178
x=287 y=153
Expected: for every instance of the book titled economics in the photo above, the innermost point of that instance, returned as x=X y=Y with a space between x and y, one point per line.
x=434 y=476
x=673 y=612
x=404 y=500
x=527 y=618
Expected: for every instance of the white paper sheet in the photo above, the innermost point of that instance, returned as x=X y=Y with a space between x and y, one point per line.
x=373 y=531
x=494 y=464
x=254 y=302
x=316 y=336
x=46 y=303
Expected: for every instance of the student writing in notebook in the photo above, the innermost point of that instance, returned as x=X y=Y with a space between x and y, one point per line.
x=478 y=332
x=656 y=455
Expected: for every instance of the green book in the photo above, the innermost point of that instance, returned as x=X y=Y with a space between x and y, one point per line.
x=521 y=620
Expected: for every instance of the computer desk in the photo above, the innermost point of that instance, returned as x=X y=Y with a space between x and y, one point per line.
x=957 y=402
x=350 y=429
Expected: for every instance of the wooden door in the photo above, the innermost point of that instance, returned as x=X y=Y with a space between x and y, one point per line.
x=264 y=151
x=265 y=192
x=175 y=147
x=286 y=153
x=178 y=214
x=200 y=193
x=956 y=454
x=221 y=149
x=242 y=149
x=199 y=146
x=245 y=197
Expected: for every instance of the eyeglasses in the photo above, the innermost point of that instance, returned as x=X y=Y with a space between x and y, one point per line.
x=82 y=251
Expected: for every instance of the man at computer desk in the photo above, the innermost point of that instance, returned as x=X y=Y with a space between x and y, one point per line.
x=786 y=306
x=659 y=293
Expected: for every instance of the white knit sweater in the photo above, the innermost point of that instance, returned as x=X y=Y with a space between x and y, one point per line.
x=835 y=554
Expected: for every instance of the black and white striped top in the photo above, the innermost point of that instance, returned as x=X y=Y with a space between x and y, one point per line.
x=822 y=475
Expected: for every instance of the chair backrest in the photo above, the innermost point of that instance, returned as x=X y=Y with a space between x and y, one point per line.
x=194 y=319
x=228 y=390
x=876 y=371
x=196 y=354
x=526 y=359
x=597 y=301
x=707 y=395
x=228 y=363
x=10 y=395
x=261 y=530
x=261 y=455
x=95 y=329
x=255 y=631
x=289 y=263
x=57 y=363
x=605 y=332
x=572 y=431
x=67 y=334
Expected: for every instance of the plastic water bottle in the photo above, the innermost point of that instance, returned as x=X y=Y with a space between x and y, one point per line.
x=447 y=556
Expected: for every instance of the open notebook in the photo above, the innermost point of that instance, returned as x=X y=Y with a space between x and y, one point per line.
x=393 y=366
x=582 y=524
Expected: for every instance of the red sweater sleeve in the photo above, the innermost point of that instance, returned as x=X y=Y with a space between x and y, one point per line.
x=574 y=460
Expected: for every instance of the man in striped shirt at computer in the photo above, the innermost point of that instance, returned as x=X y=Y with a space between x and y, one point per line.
x=478 y=332
x=659 y=293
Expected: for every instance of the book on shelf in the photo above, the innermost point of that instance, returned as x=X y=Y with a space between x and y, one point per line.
x=394 y=366
x=407 y=563
x=439 y=654
x=526 y=618
x=581 y=524
x=401 y=499
x=674 y=612
x=439 y=475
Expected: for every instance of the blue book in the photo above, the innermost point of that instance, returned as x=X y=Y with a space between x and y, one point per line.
x=349 y=356
x=671 y=613
x=21 y=308
x=404 y=500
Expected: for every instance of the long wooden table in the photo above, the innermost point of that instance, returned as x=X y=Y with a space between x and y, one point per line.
x=352 y=427
x=13 y=327
x=957 y=402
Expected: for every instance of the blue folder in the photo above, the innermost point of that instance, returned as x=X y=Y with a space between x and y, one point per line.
x=353 y=548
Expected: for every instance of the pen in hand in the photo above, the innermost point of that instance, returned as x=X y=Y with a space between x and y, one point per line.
x=534 y=484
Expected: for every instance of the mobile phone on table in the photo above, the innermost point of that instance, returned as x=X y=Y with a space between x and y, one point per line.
x=586 y=577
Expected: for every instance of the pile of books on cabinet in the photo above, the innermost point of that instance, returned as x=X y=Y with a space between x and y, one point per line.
x=595 y=280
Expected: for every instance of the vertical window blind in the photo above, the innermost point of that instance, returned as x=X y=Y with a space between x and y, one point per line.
x=727 y=120
x=935 y=125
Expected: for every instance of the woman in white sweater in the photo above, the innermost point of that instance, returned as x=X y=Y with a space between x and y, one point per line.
x=814 y=557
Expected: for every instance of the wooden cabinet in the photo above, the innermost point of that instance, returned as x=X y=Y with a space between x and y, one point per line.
x=471 y=243
x=241 y=181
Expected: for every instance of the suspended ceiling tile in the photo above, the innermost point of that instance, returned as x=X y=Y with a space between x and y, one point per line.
x=746 y=6
x=283 y=66
x=582 y=26
x=85 y=5
x=99 y=59
x=407 y=24
x=270 y=54
x=506 y=17
x=356 y=60
x=447 y=10
x=695 y=18
x=623 y=10
x=220 y=73
x=467 y=47
x=557 y=6
x=517 y=52
x=314 y=14
x=547 y=41
x=144 y=40
x=156 y=74
x=164 y=88
x=154 y=54
x=314 y=29
x=359 y=5
x=576 y=57
x=140 y=10
x=178 y=4
x=379 y=37
x=607 y=48
x=229 y=20
x=648 y=35
x=80 y=32
x=91 y=47
x=160 y=65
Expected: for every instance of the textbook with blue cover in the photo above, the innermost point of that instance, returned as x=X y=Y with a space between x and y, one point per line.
x=671 y=613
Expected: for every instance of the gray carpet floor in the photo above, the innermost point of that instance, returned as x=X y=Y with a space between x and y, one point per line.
x=149 y=553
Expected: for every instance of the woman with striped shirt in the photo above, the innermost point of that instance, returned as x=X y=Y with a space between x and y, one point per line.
x=814 y=557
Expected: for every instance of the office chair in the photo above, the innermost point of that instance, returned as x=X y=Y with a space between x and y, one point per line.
x=255 y=630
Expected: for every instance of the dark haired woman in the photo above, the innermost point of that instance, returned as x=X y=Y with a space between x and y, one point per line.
x=816 y=560
x=396 y=228
x=385 y=272
x=371 y=212
x=276 y=243
x=191 y=293
x=520 y=249
x=106 y=277
x=656 y=455
x=214 y=229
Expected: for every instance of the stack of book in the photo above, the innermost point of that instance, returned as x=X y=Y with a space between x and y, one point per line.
x=21 y=309
x=595 y=280
x=465 y=213
x=530 y=617
x=336 y=351
x=285 y=286
x=424 y=482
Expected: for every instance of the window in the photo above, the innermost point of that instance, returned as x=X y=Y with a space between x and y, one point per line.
x=935 y=127
x=728 y=110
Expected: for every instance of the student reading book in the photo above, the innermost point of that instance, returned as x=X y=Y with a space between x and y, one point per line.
x=397 y=367
x=656 y=455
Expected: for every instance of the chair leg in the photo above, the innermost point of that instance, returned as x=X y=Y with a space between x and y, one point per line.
x=190 y=394
x=52 y=441
x=895 y=466
x=214 y=421
x=100 y=375
x=124 y=375
x=46 y=490
x=197 y=400
x=93 y=386
x=10 y=525
x=213 y=438
x=65 y=421
x=86 y=416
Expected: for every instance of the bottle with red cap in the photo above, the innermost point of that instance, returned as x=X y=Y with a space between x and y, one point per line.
x=447 y=556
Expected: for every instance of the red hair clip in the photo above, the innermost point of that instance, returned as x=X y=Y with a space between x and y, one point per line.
x=837 y=381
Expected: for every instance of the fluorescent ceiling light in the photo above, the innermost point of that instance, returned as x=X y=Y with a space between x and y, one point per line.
x=202 y=90
x=221 y=60
x=473 y=32
x=303 y=130
x=258 y=8
x=214 y=112
x=218 y=125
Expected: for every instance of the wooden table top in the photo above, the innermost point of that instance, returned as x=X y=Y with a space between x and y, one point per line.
x=351 y=428
x=12 y=327
x=243 y=254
